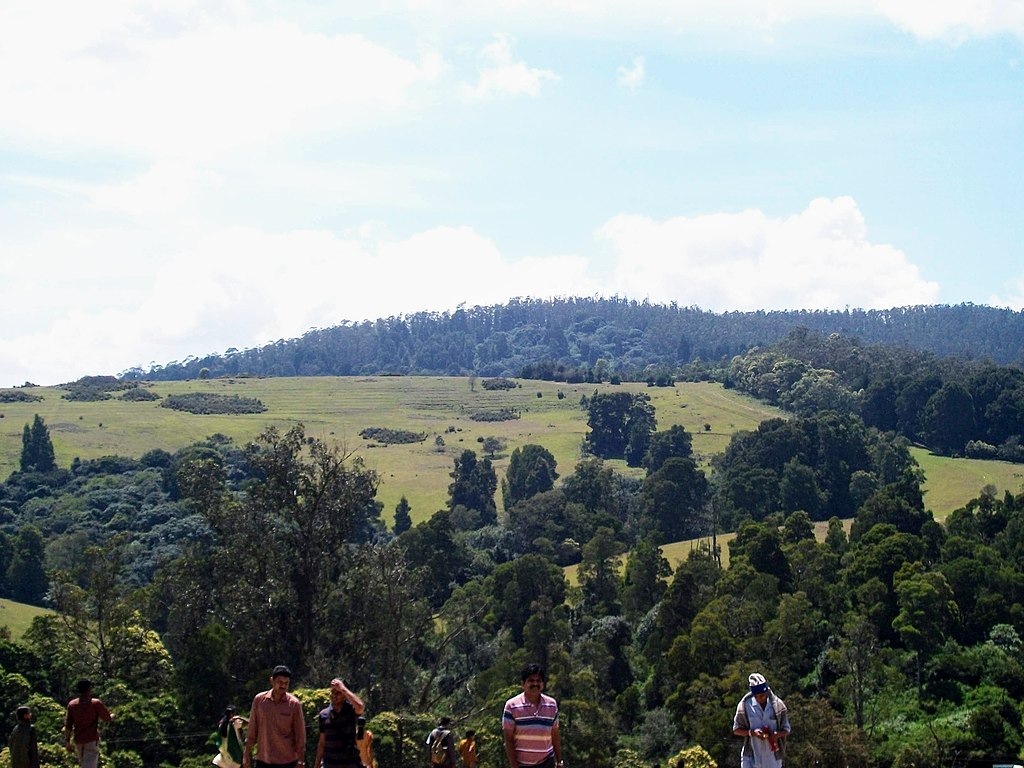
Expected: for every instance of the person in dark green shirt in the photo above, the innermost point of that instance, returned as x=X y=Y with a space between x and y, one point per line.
x=22 y=742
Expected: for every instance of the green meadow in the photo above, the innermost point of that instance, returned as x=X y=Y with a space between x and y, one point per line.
x=17 y=617
x=338 y=408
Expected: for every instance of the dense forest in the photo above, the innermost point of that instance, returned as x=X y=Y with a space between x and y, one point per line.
x=179 y=579
x=955 y=407
x=570 y=338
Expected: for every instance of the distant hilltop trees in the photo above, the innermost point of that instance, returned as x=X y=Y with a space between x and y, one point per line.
x=579 y=339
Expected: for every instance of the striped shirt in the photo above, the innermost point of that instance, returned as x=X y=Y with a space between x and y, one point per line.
x=530 y=727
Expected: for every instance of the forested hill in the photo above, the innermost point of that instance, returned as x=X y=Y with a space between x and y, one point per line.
x=542 y=337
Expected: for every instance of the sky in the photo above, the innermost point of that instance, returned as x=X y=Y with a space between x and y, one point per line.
x=181 y=178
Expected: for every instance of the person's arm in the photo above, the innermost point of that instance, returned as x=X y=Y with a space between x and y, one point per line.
x=357 y=704
x=299 y=728
x=783 y=718
x=740 y=724
x=556 y=743
x=252 y=734
x=450 y=749
x=320 y=750
x=68 y=729
x=33 y=749
x=105 y=714
x=508 y=728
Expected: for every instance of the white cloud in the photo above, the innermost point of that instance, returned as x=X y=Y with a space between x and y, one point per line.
x=187 y=83
x=954 y=20
x=1013 y=297
x=632 y=77
x=819 y=258
x=503 y=76
x=243 y=288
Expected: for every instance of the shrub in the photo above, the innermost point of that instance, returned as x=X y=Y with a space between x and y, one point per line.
x=505 y=414
x=139 y=393
x=17 y=396
x=204 y=403
x=85 y=393
x=692 y=757
x=392 y=436
x=500 y=383
x=977 y=449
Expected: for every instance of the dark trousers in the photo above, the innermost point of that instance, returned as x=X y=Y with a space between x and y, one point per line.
x=549 y=763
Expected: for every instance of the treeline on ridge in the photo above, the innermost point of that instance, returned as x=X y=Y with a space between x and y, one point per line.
x=567 y=339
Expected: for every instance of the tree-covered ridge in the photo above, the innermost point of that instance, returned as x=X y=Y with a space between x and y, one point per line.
x=593 y=338
x=955 y=407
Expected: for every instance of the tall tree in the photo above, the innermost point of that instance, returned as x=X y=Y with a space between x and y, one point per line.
x=598 y=573
x=473 y=485
x=644 y=580
x=403 y=520
x=666 y=444
x=37 y=448
x=672 y=500
x=948 y=420
x=927 y=610
x=640 y=427
x=26 y=573
x=531 y=470
x=608 y=419
x=311 y=496
x=102 y=615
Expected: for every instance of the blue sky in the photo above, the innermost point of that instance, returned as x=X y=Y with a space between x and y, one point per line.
x=181 y=178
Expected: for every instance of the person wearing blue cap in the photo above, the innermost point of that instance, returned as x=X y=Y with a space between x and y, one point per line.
x=763 y=721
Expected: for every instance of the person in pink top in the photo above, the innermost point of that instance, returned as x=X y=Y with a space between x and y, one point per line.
x=277 y=728
x=530 y=725
x=81 y=725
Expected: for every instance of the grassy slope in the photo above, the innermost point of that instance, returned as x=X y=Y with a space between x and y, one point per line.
x=951 y=483
x=17 y=616
x=338 y=408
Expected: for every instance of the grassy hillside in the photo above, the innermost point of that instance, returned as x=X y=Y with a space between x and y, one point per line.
x=17 y=616
x=951 y=483
x=339 y=408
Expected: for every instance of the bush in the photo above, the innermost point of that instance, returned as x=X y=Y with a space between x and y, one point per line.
x=205 y=403
x=85 y=394
x=392 y=436
x=18 y=396
x=501 y=383
x=139 y=393
x=692 y=757
x=505 y=414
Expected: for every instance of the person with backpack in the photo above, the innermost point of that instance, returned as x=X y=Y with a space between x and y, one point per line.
x=441 y=744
